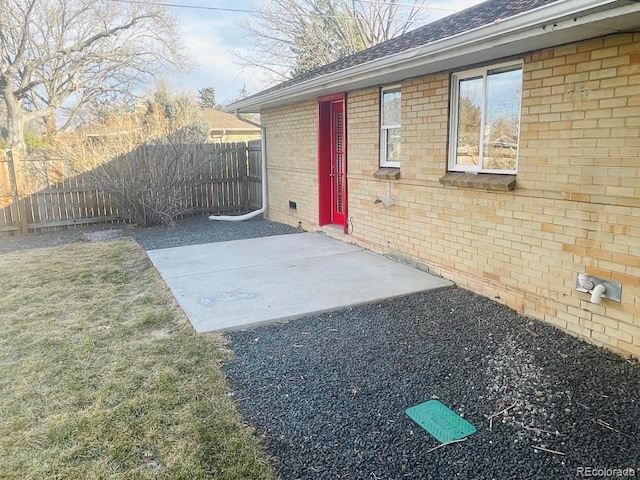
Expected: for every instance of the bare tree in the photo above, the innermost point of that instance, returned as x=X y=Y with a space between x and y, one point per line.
x=290 y=37
x=58 y=56
x=242 y=93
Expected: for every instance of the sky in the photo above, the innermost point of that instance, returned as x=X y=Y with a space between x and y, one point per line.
x=210 y=35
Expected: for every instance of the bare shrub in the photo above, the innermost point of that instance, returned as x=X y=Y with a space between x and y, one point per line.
x=148 y=167
x=154 y=183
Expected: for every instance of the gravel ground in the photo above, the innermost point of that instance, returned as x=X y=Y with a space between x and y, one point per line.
x=188 y=231
x=329 y=392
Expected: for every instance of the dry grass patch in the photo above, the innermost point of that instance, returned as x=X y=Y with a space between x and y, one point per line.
x=103 y=377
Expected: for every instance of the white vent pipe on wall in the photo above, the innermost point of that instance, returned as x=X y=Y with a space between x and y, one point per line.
x=599 y=288
x=263 y=152
x=597 y=292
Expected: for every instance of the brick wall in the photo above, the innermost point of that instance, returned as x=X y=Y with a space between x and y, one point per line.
x=292 y=150
x=576 y=206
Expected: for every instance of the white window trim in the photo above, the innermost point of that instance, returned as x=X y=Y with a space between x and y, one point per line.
x=383 y=138
x=453 y=127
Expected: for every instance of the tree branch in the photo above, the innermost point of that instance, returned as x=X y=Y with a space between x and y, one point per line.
x=306 y=34
x=59 y=53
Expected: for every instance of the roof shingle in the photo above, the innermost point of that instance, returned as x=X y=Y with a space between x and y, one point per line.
x=474 y=17
x=221 y=120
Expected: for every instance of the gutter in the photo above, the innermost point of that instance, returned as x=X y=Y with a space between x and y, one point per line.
x=539 y=23
x=263 y=170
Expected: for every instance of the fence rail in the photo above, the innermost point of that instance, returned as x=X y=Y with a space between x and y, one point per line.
x=36 y=194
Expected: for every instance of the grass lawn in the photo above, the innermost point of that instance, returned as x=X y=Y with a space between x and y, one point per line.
x=103 y=377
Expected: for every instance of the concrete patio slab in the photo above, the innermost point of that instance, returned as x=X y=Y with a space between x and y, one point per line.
x=246 y=283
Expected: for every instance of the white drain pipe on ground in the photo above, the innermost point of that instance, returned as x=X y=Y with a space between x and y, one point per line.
x=263 y=152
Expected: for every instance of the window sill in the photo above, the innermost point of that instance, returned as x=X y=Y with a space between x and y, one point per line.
x=387 y=173
x=480 y=181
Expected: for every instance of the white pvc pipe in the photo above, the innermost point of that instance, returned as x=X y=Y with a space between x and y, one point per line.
x=597 y=292
x=263 y=169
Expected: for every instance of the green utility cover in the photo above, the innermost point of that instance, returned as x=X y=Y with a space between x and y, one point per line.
x=440 y=421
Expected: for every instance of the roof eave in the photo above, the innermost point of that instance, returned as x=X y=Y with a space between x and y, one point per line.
x=555 y=24
x=248 y=129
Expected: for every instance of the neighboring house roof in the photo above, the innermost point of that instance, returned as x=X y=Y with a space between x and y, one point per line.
x=493 y=29
x=223 y=121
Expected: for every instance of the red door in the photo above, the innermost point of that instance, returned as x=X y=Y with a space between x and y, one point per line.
x=337 y=161
x=332 y=161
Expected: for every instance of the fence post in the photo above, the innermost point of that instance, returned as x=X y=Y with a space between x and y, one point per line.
x=19 y=200
x=255 y=173
x=243 y=173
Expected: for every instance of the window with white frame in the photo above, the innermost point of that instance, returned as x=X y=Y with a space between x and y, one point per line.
x=390 y=132
x=485 y=119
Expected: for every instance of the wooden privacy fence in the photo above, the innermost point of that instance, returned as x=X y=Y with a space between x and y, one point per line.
x=38 y=193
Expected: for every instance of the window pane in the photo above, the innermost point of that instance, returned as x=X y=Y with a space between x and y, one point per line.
x=502 y=122
x=391 y=107
x=393 y=136
x=469 y=111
